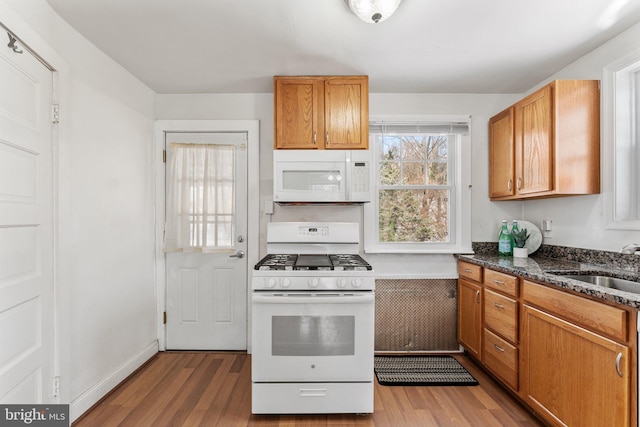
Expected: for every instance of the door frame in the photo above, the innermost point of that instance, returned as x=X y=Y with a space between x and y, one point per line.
x=251 y=127
x=60 y=137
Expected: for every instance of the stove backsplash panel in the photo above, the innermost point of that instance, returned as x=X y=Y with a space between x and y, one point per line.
x=416 y=315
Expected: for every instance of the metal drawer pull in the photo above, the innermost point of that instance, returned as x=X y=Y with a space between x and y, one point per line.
x=498 y=348
x=314 y=136
x=509 y=184
x=498 y=282
x=519 y=185
x=618 y=364
x=466 y=270
x=500 y=306
x=478 y=297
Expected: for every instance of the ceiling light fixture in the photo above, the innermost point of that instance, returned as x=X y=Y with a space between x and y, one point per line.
x=373 y=11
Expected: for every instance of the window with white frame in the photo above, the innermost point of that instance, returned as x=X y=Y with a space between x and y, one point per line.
x=419 y=203
x=621 y=152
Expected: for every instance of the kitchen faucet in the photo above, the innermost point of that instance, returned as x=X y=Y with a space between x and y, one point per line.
x=630 y=249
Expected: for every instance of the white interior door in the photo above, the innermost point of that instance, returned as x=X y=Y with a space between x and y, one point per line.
x=26 y=229
x=206 y=301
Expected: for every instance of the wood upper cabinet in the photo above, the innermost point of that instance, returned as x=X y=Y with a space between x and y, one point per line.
x=547 y=144
x=321 y=112
x=571 y=374
x=298 y=105
x=502 y=151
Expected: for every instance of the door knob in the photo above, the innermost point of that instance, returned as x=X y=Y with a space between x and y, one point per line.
x=239 y=254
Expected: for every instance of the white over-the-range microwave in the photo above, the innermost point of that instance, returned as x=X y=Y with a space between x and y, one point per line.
x=330 y=176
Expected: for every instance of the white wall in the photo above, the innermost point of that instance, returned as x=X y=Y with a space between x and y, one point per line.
x=486 y=215
x=579 y=221
x=105 y=259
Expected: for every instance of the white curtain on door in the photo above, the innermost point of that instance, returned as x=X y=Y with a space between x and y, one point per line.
x=200 y=206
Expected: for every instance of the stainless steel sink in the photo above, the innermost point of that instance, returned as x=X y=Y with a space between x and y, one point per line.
x=607 y=282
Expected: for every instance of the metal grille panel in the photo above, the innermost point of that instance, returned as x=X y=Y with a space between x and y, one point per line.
x=416 y=315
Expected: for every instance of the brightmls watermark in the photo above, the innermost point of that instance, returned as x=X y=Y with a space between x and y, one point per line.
x=34 y=415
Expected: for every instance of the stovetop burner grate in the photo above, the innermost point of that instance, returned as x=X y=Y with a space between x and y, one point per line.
x=339 y=262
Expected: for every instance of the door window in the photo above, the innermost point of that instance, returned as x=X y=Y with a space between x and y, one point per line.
x=201 y=198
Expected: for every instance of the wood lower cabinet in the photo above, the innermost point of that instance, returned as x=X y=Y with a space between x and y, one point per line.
x=470 y=308
x=501 y=315
x=572 y=375
x=321 y=112
x=500 y=337
x=547 y=144
x=501 y=358
x=470 y=316
x=570 y=358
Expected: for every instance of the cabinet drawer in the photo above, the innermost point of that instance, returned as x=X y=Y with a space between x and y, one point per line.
x=501 y=282
x=593 y=315
x=501 y=358
x=501 y=315
x=470 y=271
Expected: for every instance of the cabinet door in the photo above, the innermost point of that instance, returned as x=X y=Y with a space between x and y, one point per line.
x=470 y=316
x=298 y=112
x=573 y=376
x=346 y=112
x=501 y=155
x=534 y=143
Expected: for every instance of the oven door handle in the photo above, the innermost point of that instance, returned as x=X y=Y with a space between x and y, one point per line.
x=364 y=298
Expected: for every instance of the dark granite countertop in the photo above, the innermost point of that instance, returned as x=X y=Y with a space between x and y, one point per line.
x=548 y=270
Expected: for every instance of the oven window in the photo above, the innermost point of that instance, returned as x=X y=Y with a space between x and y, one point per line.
x=313 y=335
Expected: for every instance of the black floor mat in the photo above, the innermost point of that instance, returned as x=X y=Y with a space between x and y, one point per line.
x=421 y=370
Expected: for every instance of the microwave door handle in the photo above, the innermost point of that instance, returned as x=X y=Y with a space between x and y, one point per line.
x=347 y=184
x=364 y=298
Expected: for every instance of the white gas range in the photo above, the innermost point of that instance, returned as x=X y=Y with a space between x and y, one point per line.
x=313 y=321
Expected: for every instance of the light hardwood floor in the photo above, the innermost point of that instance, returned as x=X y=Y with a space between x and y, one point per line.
x=214 y=389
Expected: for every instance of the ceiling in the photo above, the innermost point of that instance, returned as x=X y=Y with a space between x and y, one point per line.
x=428 y=46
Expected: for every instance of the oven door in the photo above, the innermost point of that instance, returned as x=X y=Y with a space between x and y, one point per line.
x=313 y=337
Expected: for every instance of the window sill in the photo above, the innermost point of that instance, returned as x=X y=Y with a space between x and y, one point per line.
x=439 y=251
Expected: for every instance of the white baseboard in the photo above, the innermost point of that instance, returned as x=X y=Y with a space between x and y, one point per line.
x=90 y=397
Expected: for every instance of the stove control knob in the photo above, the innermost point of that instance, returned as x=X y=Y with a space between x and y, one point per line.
x=270 y=283
x=314 y=282
x=285 y=283
x=356 y=283
x=342 y=283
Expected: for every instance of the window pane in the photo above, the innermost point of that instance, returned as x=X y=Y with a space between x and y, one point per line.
x=437 y=173
x=389 y=173
x=414 y=216
x=412 y=173
x=389 y=147
x=437 y=158
x=414 y=147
